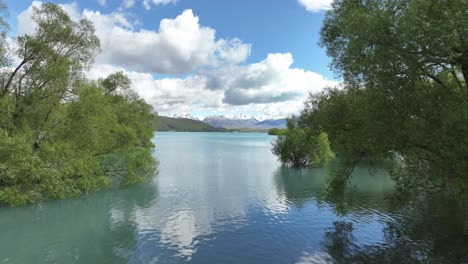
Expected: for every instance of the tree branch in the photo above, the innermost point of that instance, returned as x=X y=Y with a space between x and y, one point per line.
x=7 y=86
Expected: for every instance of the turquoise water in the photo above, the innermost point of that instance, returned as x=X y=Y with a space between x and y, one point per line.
x=224 y=198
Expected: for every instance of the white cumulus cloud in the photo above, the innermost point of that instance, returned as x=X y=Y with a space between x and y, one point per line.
x=180 y=45
x=268 y=81
x=316 y=5
x=271 y=88
x=167 y=95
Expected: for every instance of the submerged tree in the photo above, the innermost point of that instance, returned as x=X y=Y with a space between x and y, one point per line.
x=299 y=147
x=62 y=135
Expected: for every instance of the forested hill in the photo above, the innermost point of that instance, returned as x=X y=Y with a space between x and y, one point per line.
x=184 y=124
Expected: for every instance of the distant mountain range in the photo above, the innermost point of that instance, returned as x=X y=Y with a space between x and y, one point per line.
x=243 y=121
x=272 y=123
x=231 y=122
x=217 y=123
x=165 y=123
x=186 y=116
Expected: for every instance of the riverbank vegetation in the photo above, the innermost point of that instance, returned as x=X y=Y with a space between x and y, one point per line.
x=404 y=95
x=277 y=131
x=60 y=134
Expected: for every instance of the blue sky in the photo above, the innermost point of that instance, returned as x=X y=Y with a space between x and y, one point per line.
x=257 y=57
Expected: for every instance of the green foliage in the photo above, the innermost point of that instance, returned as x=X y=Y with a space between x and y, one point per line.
x=116 y=83
x=277 y=131
x=405 y=93
x=299 y=147
x=60 y=134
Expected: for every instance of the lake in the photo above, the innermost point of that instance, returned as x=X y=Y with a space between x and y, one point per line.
x=224 y=198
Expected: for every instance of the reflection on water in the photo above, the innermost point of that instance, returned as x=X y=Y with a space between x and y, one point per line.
x=300 y=186
x=429 y=230
x=406 y=241
x=223 y=198
x=99 y=226
x=369 y=188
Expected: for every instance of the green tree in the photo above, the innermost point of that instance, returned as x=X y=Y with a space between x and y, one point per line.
x=299 y=147
x=116 y=83
x=54 y=55
x=403 y=41
x=405 y=70
x=63 y=135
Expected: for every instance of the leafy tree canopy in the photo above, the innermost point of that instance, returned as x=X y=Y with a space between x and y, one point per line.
x=404 y=96
x=299 y=147
x=61 y=134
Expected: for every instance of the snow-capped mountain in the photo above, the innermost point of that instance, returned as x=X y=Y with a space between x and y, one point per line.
x=243 y=121
x=186 y=116
x=231 y=121
x=240 y=117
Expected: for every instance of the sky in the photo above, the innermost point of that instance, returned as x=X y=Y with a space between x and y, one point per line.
x=259 y=58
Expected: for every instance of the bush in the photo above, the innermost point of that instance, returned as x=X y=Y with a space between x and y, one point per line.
x=299 y=147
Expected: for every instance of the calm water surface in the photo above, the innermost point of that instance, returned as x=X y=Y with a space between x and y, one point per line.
x=223 y=198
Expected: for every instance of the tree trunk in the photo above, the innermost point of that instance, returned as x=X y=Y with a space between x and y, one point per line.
x=464 y=69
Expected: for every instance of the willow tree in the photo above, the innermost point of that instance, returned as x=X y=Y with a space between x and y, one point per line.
x=61 y=134
x=300 y=147
x=404 y=65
